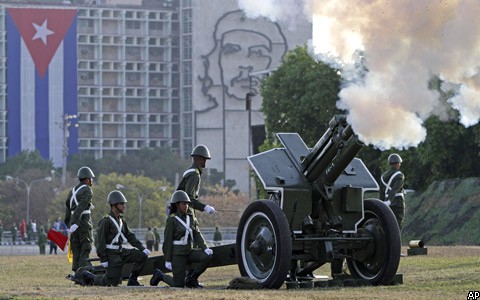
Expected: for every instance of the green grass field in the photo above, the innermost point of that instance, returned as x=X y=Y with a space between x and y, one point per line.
x=445 y=273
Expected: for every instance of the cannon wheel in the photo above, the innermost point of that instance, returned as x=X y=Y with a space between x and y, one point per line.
x=381 y=259
x=264 y=244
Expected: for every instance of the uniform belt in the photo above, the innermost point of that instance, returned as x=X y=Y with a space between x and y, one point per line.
x=85 y=212
x=113 y=247
x=399 y=195
x=182 y=243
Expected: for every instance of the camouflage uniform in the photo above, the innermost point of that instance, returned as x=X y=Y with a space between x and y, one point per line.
x=78 y=212
x=110 y=250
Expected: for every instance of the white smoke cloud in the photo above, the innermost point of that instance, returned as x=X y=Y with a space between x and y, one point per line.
x=287 y=11
x=405 y=43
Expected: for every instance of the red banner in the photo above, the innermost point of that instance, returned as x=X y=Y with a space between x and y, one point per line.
x=58 y=238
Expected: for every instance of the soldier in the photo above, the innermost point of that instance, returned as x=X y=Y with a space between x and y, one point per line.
x=181 y=231
x=391 y=190
x=217 y=237
x=14 y=232
x=192 y=177
x=42 y=241
x=157 y=239
x=77 y=217
x=112 y=232
x=150 y=239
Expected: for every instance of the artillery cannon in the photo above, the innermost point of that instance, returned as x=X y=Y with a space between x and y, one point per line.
x=316 y=213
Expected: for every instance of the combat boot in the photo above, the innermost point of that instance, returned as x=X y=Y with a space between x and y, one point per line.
x=87 y=278
x=132 y=281
x=157 y=277
x=192 y=282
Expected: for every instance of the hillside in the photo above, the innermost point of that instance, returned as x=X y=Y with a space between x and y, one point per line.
x=447 y=213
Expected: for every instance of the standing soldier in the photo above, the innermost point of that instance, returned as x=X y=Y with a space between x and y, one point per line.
x=157 y=239
x=14 y=232
x=150 y=239
x=42 y=241
x=77 y=217
x=217 y=236
x=391 y=190
x=112 y=232
x=190 y=183
x=181 y=232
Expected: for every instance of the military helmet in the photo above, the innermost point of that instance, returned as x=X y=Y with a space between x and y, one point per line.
x=85 y=172
x=180 y=196
x=394 y=158
x=116 y=197
x=201 y=150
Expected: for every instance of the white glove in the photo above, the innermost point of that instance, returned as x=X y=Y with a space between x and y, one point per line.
x=388 y=202
x=209 y=209
x=104 y=264
x=146 y=251
x=208 y=251
x=168 y=265
x=72 y=228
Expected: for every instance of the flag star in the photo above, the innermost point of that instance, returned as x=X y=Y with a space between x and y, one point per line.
x=42 y=32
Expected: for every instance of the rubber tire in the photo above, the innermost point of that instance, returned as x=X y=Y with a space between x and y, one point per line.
x=271 y=215
x=390 y=243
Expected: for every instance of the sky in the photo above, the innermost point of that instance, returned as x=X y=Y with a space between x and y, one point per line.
x=405 y=43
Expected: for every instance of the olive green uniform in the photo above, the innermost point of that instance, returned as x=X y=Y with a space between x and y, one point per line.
x=217 y=236
x=13 y=230
x=190 y=184
x=392 y=189
x=42 y=241
x=110 y=250
x=157 y=239
x=178 y=248
x=150 y=239
x=78 y=212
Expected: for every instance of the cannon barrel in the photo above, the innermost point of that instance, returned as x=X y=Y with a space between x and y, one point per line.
x=332 y=153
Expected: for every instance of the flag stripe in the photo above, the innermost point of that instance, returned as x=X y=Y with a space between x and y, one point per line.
x=41 y=114
x=27 y=99
x=13 y=75
x=55 y=92
x=70 y=92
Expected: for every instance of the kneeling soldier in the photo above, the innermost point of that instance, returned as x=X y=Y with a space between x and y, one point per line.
x=112 y=232
x=181 y=232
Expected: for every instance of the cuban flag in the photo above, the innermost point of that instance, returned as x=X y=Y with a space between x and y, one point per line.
x=41 y=80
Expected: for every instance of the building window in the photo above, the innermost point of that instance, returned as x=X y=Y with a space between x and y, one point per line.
x=187 y=47
x=187 y=99
x=187 y=73
x=132 y=24
x=187 y=125
x=187 y=21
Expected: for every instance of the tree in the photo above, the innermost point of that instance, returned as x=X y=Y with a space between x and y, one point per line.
x=13 y=196
x=300 y=96
x=25 y=160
